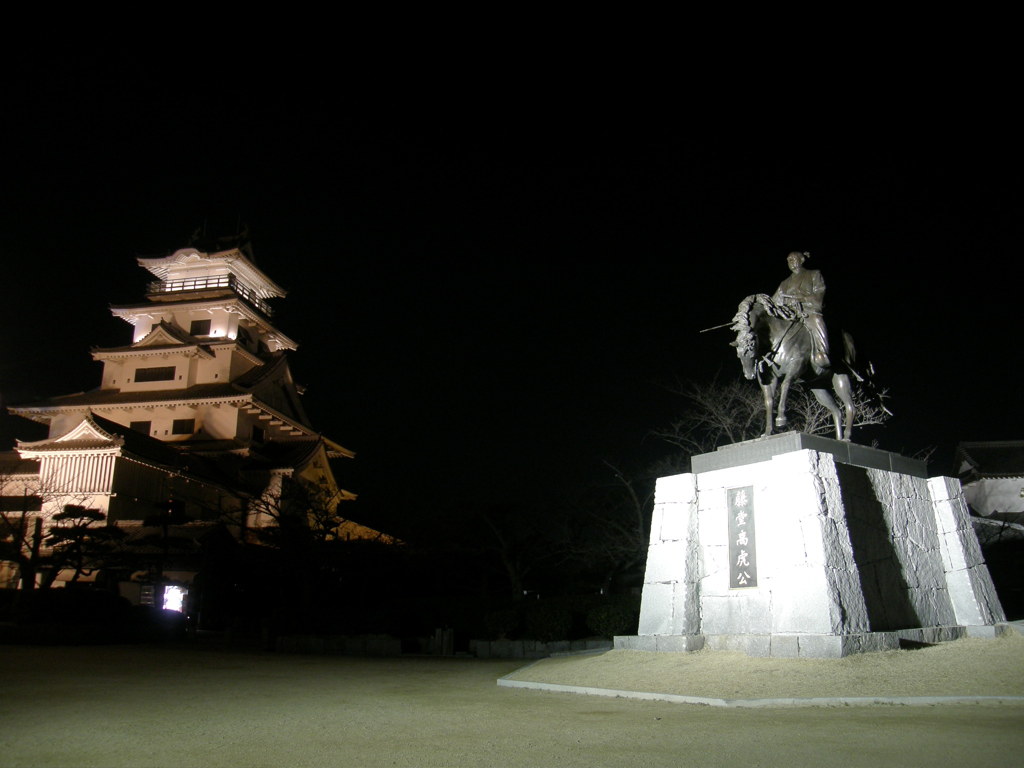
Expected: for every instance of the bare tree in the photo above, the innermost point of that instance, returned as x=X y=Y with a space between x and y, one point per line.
x=292 y=509
x=716 y=413
x=522 y=537
x=814 y=419
x=612 y=525
x=720 y=413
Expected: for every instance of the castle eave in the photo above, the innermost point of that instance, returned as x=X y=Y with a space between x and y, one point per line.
x=233 y=260
x=134 y=313
x=114 y=353
x=224 y=394
x=87 y=447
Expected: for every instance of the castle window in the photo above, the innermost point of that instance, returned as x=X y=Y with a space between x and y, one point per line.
x=244 y=338
x=141 y=426
x=183 y=426
x=200 y=327
x=165 y=373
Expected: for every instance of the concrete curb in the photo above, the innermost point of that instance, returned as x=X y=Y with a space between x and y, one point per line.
x=829 y=701
x=832 y=701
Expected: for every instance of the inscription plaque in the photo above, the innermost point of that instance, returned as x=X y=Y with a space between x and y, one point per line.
x=742 y=545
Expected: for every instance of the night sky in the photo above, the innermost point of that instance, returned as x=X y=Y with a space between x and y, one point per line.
x=488 y=289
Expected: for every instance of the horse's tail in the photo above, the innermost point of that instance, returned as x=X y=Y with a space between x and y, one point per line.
x=864 y=374
x=849 y=351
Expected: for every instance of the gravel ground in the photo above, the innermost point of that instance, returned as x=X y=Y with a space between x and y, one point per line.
x=157 y=706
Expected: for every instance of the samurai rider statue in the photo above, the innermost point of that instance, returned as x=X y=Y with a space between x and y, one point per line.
x=801 y=298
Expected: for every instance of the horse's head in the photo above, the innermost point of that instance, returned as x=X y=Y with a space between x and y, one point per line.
x=746 y=339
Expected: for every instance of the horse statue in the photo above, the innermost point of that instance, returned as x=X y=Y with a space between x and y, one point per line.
x=774 y=347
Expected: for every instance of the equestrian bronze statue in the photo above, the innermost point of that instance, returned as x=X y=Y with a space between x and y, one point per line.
x=782 y=339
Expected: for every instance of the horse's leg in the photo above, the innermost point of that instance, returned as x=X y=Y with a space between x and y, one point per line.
x=823 y=397
x=780 y=415
x=768 y=391
x=841 y=385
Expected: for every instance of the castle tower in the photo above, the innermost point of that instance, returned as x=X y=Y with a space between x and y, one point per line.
x=206 y=367
x=199 y=410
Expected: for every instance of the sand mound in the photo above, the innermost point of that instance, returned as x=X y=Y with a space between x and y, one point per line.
x=969 y=667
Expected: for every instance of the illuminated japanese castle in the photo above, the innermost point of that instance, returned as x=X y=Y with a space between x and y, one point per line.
x=199 y=411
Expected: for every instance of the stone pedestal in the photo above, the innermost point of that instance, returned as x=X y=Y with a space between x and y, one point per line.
x=797 y=545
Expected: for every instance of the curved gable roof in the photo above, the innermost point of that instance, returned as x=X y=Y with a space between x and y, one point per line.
x=993 y=458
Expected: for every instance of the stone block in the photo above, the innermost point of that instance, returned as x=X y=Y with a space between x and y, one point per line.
x=922 y=532
x=796 y=490
x=679 y=643
x=967 y=540
x=905 y=486
x=633 y=643
x=985 y=593
x=666 y=561
x=663 y=643
x=801 y=603
x=675 y=522
x=951 y=552
x=675 y=489
x=983 y=630
x=820 y=646
x=805 y=547
x=785 y=646
x=933 y=607
x=868 y=642
x=836 y=550
x=924 y=570
x=751 y=645
x=714 y=569
x=656 y=609
x=792 y=463
x=945 y=521
x=685 y=609
x=944 y=489
x=713 y=525
x=741 y=612
x=847 y=607
x=719 y=613
x=756 y=645
x=933 y=634
x=657 y=516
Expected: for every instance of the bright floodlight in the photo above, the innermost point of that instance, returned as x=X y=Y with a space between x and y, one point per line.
x=174 y=598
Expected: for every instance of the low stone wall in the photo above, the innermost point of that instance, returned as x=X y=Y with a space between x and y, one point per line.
x=387 y=645
x=354 y=645
x=533 y=649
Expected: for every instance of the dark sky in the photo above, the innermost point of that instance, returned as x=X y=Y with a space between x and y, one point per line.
x=488 y=286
